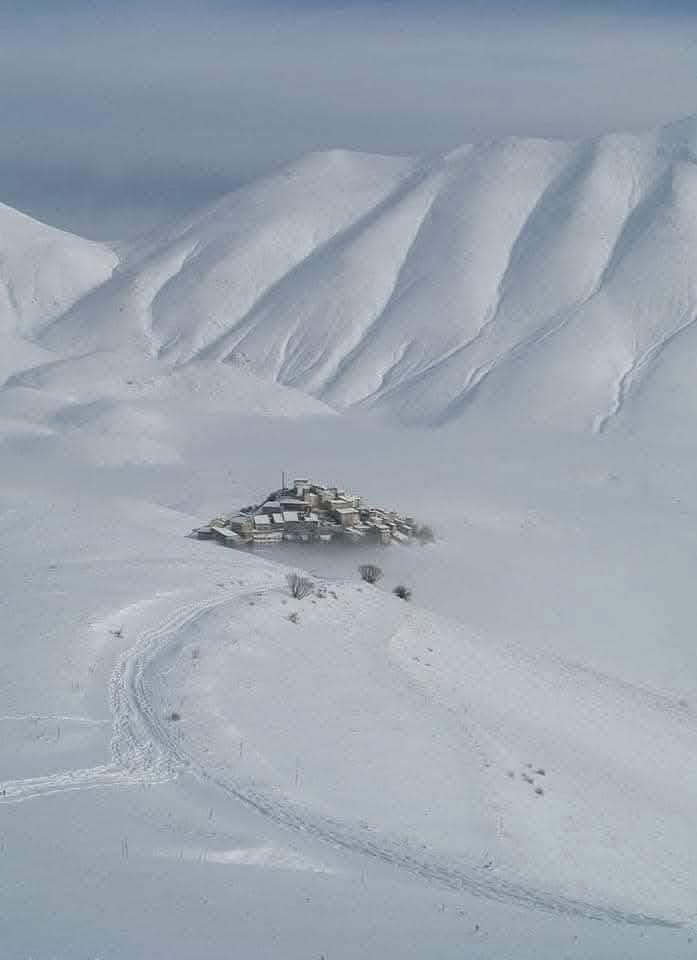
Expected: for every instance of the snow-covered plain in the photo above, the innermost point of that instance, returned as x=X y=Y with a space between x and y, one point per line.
x=498 y=341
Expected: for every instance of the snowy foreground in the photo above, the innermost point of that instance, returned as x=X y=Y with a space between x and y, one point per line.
x=503 y=768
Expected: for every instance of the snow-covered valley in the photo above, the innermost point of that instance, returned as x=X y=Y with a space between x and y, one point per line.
x=498 y=341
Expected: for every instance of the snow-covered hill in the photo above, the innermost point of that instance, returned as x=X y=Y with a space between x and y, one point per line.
x=367 y=781
x=449 y=764
x=538 y=275
x=43 y=272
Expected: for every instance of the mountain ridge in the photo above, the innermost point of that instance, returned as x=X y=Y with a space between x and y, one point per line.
x=543 y=277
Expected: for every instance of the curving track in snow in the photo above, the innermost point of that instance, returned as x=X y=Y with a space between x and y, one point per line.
x=137 y=739
x=146 y=748
x=146 y=743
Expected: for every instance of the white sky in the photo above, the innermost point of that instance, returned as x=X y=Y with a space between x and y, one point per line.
x=114 y=124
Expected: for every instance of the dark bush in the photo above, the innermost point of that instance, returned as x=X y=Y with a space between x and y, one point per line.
x=404 y=593
x=370 y=572
x=299 y=586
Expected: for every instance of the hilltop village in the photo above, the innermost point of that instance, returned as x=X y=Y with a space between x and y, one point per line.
x=312 y=513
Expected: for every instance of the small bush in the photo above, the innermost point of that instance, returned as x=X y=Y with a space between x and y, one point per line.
x=424 y=534
x=174 y=716
x=370 y=572
x=404 y=593
x=299 y=586
x=294 y=617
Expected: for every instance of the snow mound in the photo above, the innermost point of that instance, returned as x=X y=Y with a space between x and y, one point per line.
x=110 y=408
x=409 y=738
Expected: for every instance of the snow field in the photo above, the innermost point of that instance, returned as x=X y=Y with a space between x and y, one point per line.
x=502 y=767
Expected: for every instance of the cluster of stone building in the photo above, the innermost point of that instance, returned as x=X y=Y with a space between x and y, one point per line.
x=309 y=512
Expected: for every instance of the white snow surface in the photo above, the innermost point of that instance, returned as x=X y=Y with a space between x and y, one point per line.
x=522 y=269
x=499 y=342
x=44 y=271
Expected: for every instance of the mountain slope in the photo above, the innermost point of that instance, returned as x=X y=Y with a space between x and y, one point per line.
x=186 y=287
x=543 y=278
x=44 y=271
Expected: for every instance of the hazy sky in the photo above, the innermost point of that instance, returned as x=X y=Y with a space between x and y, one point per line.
x=114 y=121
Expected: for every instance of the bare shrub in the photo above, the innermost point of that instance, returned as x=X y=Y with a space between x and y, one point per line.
x=370 y=572
x=294 y=617
x=299 y=586
x=404 y=593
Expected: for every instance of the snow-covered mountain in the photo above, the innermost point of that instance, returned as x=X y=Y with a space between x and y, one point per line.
x=501 y=767
x=546 y=277
x=43 y=272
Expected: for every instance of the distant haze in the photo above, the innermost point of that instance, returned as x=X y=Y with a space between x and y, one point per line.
x=113 y=123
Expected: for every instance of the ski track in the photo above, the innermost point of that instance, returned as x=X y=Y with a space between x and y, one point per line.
x=137 y=755
x=146 y=751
